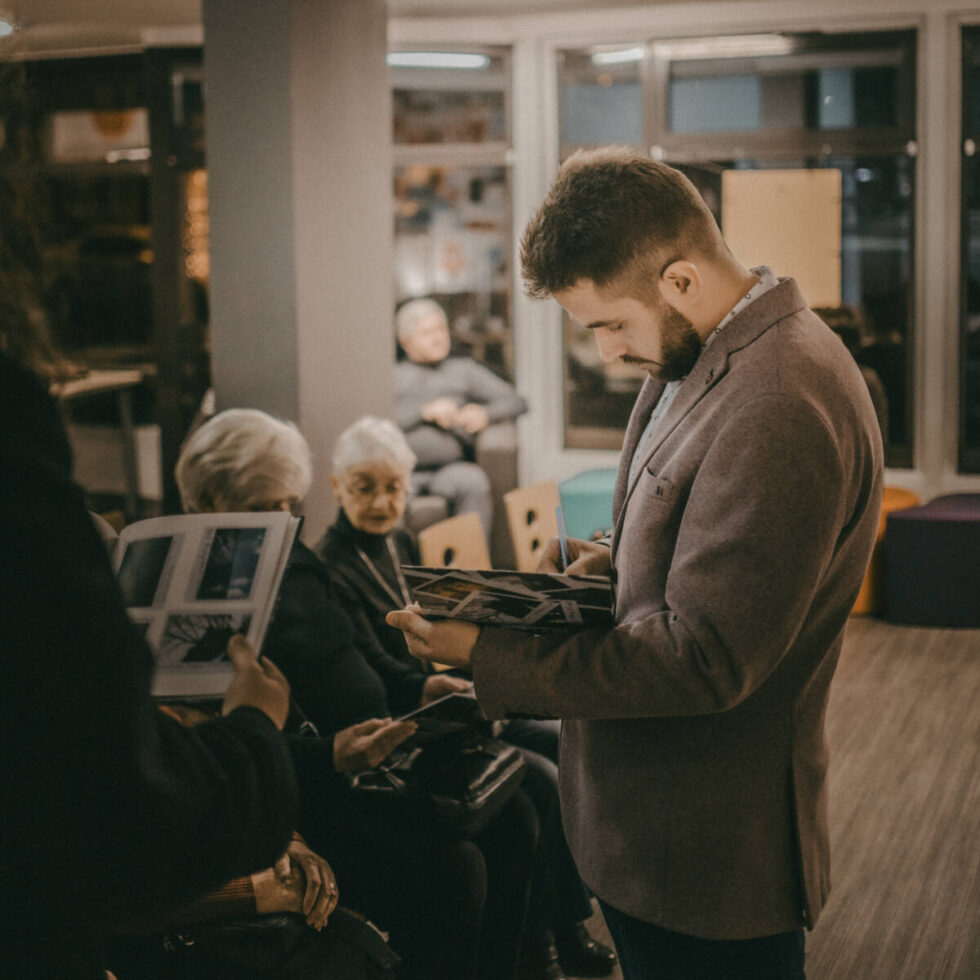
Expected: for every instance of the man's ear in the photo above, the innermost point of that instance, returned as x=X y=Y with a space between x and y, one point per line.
x=680 y=283
x=335 y=485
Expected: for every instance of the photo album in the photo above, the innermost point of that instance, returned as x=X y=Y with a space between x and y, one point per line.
x=514 y=600
x=190 y=581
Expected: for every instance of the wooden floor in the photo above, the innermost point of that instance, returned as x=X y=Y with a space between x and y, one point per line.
x=904 y=731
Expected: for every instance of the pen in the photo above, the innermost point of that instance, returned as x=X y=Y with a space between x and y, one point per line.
x=562 y=536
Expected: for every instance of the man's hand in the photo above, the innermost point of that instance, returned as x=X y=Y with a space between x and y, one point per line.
x=365 y=745
x=472 y=418
x=439 y=685
x=442 y=411
x=584 y=558
x=446 y=642
x=257 y=683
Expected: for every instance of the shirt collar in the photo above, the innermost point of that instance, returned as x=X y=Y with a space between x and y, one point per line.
x=766 y=281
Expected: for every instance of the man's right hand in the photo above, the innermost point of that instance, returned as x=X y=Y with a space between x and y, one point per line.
x=257 y=683
x=365 y=745
x=584 y=558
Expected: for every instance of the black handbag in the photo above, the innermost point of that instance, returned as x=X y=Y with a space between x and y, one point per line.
x=276 y=946
x=455 y=781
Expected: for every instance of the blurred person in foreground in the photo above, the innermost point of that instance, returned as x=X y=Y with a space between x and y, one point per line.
x=442 y=403
x=110 y=810
x=694 y=765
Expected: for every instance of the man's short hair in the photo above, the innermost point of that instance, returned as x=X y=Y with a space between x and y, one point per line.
x=412 y=313
x=615 y=217
x=243 y=457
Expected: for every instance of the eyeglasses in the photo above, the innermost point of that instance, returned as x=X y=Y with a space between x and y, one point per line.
x=369 y=491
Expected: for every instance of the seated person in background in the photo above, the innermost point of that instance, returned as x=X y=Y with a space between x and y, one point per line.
x=109 y=809
x=364 y=551
x=454 y=909
x=441 y=404
x=845 y=321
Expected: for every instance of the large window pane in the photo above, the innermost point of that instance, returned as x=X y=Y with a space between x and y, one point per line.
x=434 y=103
x=601 y=92
x=772 y=82
x=452 y=193
x=452 y=243
x=797 y=103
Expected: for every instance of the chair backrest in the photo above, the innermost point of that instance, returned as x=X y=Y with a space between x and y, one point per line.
x=456 y=542
x=532 y=521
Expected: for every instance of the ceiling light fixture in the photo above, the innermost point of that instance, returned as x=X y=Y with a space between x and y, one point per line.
x=618 y=56
x=728 y=46
x=437 y=59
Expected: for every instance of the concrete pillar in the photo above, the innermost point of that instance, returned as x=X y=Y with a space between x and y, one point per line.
x=299 y=179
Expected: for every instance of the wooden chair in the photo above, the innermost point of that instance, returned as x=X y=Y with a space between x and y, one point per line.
x=532 y=521
x=456 y=542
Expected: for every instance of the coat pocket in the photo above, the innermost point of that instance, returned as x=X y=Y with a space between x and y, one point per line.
x=654 y=487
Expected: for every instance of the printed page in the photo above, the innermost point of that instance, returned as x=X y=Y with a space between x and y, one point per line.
x=516 y=600
x=192 y=580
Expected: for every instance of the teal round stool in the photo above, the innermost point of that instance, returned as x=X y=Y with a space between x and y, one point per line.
x=586 y=499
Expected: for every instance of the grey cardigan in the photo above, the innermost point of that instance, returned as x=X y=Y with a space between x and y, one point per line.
x=693 y=762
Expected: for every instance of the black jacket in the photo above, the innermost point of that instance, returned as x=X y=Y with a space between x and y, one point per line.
x=109 y=810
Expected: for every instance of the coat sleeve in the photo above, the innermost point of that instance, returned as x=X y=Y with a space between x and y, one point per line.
x=757 y=533
x=110 y=809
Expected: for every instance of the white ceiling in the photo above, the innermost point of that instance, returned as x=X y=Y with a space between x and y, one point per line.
x=53 y=26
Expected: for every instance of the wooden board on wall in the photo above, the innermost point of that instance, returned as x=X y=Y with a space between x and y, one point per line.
x=789 y=220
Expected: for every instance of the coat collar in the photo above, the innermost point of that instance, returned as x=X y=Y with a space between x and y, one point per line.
x=781 y=301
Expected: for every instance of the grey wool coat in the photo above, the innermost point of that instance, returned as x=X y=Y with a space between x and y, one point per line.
x=693 y=761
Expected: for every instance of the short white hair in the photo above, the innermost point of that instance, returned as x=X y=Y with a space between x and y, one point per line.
x=243 y=457
x=372 y=440
x=413 y=313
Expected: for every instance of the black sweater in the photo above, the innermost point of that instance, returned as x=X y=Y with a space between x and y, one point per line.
x=109 y=810
x=367 y=604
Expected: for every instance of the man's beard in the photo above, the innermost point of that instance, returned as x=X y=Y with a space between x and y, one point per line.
x=680 y=346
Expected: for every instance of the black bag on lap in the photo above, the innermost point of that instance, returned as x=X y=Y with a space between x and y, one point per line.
x=451 y=776
x=278 y=946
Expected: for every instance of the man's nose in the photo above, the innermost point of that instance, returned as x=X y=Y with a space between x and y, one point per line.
x=609 y=345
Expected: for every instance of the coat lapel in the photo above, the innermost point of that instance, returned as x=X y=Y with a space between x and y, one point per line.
x=780 y=301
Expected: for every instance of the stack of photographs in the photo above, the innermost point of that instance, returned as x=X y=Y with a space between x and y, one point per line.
x=515 y=600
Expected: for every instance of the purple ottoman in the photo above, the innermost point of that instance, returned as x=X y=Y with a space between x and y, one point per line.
x=932 y=563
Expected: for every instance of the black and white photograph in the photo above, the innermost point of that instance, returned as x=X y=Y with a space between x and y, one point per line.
x=518 y=600
x=141 y=570
x=198 y=639
x=231 y=564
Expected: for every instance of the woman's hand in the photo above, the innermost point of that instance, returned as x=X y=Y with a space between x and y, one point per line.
x=439 y=685
x=365 y=745
x=584 y=558
x=306 y=885
x=447 y=642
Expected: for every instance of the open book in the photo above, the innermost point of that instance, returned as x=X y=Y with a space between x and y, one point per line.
x=515 y=600
x=192 y=580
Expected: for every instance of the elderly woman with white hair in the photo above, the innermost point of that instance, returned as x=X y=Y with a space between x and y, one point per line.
x=437 y=897
x=364 y=550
